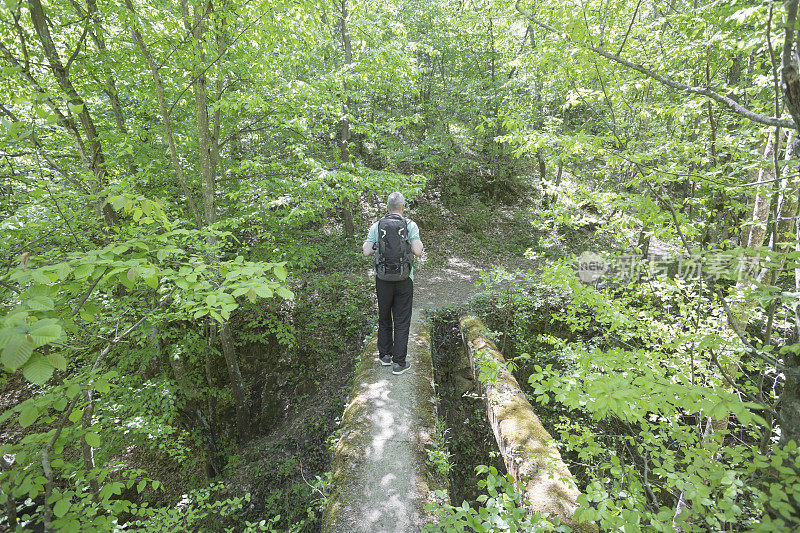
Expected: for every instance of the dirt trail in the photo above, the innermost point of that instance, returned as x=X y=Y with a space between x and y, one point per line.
x=380 y=477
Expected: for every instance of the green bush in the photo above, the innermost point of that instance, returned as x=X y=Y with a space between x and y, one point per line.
x=502 y=509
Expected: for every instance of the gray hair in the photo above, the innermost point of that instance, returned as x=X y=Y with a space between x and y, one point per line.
x=395 y=202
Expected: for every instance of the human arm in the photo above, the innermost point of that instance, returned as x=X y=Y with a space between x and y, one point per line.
x=416 y=242
x=368 y=248
x=416 y=247
x=372 y=238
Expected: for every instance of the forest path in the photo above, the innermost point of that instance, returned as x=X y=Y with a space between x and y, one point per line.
x=381 y=481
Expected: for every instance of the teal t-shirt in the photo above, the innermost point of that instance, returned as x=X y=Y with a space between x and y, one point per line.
x=413 y=235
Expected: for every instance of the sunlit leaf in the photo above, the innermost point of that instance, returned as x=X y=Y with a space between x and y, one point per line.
x=17 y=351
x=38 y=370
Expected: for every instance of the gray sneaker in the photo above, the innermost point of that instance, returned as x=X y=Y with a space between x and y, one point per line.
x=386 y=359
x=398 y=369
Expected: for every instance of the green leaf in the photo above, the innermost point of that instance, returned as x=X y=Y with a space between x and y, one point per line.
x=283 y=292
x=16 y=318
x=141 y=485
x=133 y=273
x=152 y=281
x=280 y=272
x=263 y=291
x=40 y=277
x=83 y=271
x=92 y=439
x=28 y=415
x=118 y=202
x=38 y=370
x=75 y=415
x=41 y=303
x=58 y=361
x=63 y=270
x=60 y=404
x=17 y=352
x=8 y=334
x=125 y=280
x=61 y=507
x=45 y=331
x=5 y=415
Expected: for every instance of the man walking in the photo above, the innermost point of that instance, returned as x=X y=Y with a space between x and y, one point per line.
x=393 y=240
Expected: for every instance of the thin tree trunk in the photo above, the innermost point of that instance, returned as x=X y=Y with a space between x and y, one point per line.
x=790 y=397
x=87 y=452
x=165 y=117
x=11 y=503
x=111 y=91
x=156 y=361
x=758 y=230
x=237 y=387
x=711 y=122
x=97 y=162
x=197 y=27
x=347 y=215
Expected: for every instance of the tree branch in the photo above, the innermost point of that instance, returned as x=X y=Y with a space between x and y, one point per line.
x=762 y=355
x=88 y=293
x=40 y=149
x=733 y=386
x=46 y=466
x=627 y=33
x=74 y=54
x=789 y=74
x=730 y=103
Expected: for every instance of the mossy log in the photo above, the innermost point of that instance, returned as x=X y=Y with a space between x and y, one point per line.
x=528 y=450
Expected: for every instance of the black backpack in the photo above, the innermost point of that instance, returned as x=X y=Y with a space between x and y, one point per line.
x=393 y=257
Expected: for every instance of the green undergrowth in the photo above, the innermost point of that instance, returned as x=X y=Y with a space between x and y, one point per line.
x=287 y=470
x=484 y=495
x=467 y=439
x=624 y=382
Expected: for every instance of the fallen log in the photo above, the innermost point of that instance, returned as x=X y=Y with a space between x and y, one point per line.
x=528 y=450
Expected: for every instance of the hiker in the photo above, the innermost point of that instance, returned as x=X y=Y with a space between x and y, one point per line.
x=393 y=239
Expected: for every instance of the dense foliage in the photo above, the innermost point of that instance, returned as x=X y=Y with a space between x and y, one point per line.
x=183 y=184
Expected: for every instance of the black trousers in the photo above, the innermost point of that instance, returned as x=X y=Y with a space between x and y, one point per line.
x=394 y=317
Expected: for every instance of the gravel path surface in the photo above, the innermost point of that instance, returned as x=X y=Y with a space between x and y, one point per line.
x=380 y=478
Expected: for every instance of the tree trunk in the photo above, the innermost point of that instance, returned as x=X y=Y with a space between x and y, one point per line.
x=96 y=157
x=111 y=90
x=542 y=164
x=789 y=411
x=165 y=117
x=87 y=452
x=237 y=384
x=347 y=215
x=156 y=365
x=758 y=230
x=206 y=158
